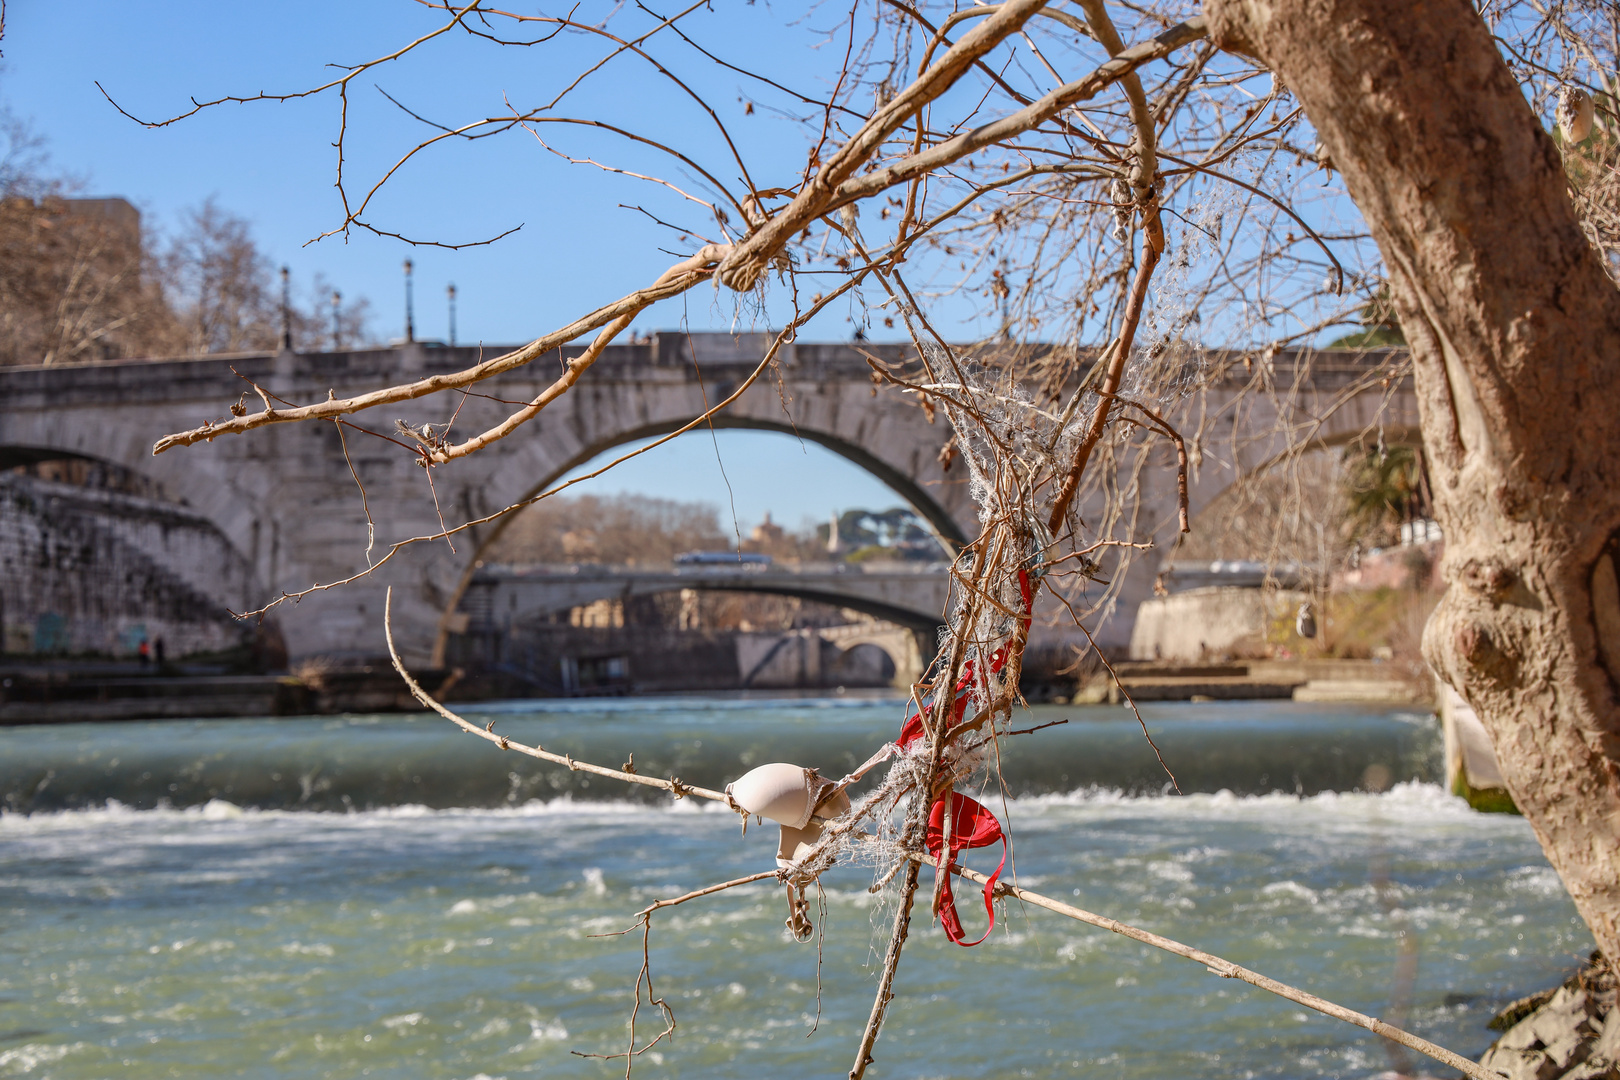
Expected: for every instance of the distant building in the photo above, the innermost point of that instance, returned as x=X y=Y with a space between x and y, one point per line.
x=115 y=211
x=767 y=533
x=72 y=286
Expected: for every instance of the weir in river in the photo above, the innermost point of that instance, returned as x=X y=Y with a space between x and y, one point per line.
x=382 y=895
x=368 y=762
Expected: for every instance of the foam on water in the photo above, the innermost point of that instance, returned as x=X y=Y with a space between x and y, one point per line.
x=1351 y=809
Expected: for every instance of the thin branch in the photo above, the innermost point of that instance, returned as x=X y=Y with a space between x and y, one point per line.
x=1164 y=426
x=748 y=260
x=341 y=83
x=672 y=785
x=672 y=282
x=1111 y=380
x=1038 y=112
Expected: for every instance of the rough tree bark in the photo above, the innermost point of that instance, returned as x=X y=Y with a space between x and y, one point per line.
x=1515 y=334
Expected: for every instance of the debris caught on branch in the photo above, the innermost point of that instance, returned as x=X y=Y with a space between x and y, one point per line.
x=788 y=790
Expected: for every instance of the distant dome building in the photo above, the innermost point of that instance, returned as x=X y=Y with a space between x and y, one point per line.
x=767 y=533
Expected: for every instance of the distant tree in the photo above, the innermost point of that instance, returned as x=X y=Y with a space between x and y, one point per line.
x=75 y=276
x=227 y=297
x=319 y=325
x=1380 y=326
x=221 y=284
x=75 y=282
x=620 y=530
x=1383 y=489
x=22 y=156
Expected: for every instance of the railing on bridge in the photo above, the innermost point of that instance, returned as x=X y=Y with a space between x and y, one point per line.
x=506 y=571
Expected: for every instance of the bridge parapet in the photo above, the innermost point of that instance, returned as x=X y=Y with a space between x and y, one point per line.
x=663 y=357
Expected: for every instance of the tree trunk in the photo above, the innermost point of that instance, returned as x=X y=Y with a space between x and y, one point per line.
x=1515 y=335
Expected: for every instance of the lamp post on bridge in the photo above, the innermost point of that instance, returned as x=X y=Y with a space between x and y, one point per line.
x=286 y=309
x=410 y=319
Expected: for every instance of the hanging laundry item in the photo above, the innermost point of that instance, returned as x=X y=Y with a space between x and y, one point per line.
x=972 y=826
x=792 y=796
x=787 y=794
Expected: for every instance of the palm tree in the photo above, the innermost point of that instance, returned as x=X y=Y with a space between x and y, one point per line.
x=1383 y=488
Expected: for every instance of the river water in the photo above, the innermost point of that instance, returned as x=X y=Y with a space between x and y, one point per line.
x=339 y=897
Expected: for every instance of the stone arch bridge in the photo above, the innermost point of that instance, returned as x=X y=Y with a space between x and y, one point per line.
x=285 y=498
x=910 y=596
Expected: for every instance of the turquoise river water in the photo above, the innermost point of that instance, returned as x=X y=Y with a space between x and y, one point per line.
x=383 y=896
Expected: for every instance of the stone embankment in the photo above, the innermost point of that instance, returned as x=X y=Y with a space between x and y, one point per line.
x=1571 y=1032
x=1337 y=681
x=61 y=694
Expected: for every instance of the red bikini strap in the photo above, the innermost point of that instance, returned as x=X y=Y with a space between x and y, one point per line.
x=972 y=826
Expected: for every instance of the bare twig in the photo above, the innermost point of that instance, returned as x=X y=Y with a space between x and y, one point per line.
x=1164 y=426
x=1111 y=380
x=672 y=785
x=891 y=963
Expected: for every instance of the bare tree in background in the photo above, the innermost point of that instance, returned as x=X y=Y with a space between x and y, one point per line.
x=81 y=279
x=221 y=284
x=76 y=279
x=226 y=298
x=1126 y=182
x=625 y=530
x=74 y=282
x=22 y=157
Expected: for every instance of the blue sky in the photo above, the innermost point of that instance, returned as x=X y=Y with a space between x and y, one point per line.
x=273 y=164
x=746 y=474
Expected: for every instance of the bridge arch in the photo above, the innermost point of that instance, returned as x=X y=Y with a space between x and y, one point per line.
x=909 y=602
x=81 y=469
x=906 y=487
x=99 y=557
x=910 y=654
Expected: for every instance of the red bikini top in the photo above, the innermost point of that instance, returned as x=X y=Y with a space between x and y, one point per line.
x=912 y=730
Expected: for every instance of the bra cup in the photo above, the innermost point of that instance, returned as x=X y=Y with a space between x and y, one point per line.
x=796 y=844
x=778 y=791
x=835 y=805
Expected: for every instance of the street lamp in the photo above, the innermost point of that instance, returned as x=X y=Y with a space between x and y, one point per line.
x=286 y=309
x=410 y=317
